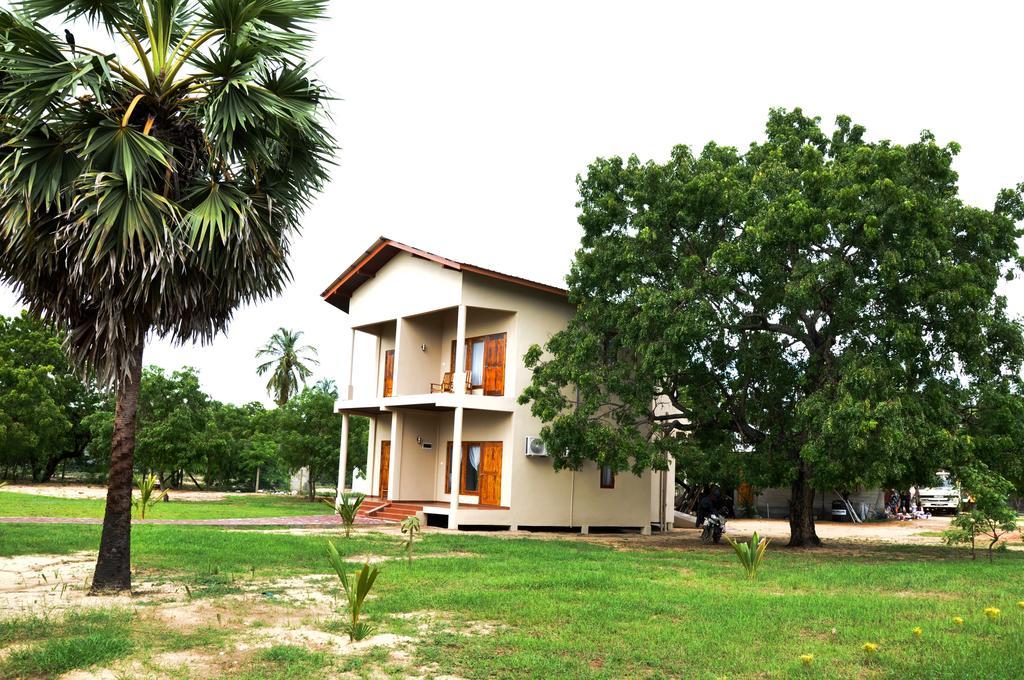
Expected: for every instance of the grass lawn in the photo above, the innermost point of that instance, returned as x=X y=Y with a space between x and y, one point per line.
x=568 y=608
x=232 y=507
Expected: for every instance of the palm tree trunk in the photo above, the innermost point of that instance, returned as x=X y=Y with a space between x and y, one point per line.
x=113 y=567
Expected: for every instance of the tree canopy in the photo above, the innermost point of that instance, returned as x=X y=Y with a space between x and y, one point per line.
x=310 y=432
x=820 y=311
x=43 y=401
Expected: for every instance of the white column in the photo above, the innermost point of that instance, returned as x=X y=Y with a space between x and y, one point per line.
x=456 y=479
x=342 y=456
x=396 y=454
x=459 y=369
x=398 y=361
x=347 y=393
x=371 y=456
x=378 y=375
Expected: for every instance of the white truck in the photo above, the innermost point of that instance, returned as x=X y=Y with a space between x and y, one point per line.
x=942 y=496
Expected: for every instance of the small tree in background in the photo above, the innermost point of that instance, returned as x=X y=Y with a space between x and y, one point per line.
x=990 y=515
x=308 y=430
x=288 y=364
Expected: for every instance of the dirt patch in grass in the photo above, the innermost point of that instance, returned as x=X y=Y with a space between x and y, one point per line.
x=97 y=492
x=428 y=621
x=311 y=589
x=230 y=612
x=311 y=638
x=100 y=674
x=44 y=583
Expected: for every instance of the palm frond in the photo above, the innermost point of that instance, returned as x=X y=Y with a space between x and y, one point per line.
x=159 y=195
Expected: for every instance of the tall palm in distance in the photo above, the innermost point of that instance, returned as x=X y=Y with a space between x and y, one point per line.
x=288 y=364
x=155 y=192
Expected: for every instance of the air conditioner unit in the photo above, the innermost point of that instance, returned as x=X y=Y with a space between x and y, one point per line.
x=535 y=447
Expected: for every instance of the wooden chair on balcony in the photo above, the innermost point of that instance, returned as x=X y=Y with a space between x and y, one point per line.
x=446 y=384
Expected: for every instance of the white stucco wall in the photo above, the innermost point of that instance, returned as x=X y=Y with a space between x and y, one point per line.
x=405 y=286
x=413 y=303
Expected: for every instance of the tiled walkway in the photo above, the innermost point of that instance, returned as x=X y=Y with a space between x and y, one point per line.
x=298 y=521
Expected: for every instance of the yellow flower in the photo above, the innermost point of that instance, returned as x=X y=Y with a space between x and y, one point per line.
x=1021 y=604
x=870 y=647
x=917 y=632
x=992 y=612
x=958 y=621
x=807 y=659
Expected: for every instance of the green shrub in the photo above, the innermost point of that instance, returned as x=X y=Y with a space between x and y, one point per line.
x=750 y=554
x=148 y=496
x=347 y=508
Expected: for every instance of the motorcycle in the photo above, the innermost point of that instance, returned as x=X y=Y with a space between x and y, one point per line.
x=714 y=527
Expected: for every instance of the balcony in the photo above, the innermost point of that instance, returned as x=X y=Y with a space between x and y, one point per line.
x=415 y=360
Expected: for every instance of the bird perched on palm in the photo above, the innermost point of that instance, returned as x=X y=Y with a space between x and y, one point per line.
x=153 y=193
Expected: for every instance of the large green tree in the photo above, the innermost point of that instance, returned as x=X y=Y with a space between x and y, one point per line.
x=154 y=192
x=184 y=435
x=818 y=312
x=43 y=400
x=172 y=425
x=241 y=442
x=309 y=431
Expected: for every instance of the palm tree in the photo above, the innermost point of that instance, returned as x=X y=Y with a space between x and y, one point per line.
x=151 y=184
x=287 y=364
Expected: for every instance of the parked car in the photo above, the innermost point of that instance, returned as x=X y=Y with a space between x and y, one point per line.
x=942 y=496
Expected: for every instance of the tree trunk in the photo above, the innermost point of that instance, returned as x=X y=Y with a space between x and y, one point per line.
x=312 y=487
x=113 y=568
x=54 y=462
x=801 y=512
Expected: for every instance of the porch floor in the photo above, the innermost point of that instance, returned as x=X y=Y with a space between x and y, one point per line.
x=429 y=506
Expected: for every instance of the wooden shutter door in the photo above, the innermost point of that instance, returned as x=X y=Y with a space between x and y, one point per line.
x=448 y=470
x=494 y=365
x=389 y=372
x=385 y=467
x=490 y=473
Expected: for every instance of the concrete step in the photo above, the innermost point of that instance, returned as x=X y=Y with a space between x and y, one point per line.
x=389 y=516
x=365 y=510
x=405 y=507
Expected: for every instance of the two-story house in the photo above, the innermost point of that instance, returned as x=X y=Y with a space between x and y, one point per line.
x=447 y=436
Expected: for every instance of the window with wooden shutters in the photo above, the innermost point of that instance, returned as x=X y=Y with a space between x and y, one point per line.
x=389 y=372
x=494 y=365
x=448 y=470
x=485 y=363
x=480 y=474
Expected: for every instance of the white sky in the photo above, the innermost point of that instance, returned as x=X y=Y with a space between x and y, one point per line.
x=462 y=125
